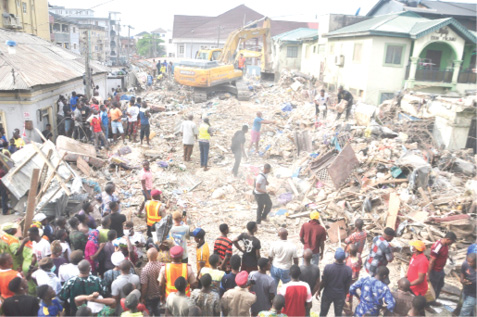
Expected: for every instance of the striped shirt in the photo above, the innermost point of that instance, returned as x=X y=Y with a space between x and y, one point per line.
x=222 y=247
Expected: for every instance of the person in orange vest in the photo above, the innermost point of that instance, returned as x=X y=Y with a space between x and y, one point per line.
x=171 y=271
x=12 y=244
x=6 y=275
x=241 y=62
x=155 y=210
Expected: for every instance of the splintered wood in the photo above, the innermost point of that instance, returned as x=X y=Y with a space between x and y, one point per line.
x=393 y=210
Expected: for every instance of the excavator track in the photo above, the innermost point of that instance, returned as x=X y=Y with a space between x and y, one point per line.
x=243 y=93
x=199 y=95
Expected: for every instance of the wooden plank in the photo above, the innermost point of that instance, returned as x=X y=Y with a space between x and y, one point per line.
x=337 y=231
x=393 y=209
x=293 y=187
x=31 y=201
x=83 y=166
x=44 y=187
x=426 y=198
x=58 y=177
x=53 y=195
x=44 y=169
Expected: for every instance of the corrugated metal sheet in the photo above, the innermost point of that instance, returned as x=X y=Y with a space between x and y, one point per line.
x=295 y=35
x=38 y=62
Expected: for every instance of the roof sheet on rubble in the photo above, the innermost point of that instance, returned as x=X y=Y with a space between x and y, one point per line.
x=38 y=62
x=18 y=183
x=402 y=24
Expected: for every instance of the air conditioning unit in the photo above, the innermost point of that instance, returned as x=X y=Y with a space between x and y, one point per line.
x=10 y=21
x=339 y=60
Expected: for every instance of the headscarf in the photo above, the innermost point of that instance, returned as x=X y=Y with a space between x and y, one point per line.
x=93 y=236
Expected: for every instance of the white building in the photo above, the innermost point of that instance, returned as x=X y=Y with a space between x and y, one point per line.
x=166 y=36
x=377 y=57
x=33 y=77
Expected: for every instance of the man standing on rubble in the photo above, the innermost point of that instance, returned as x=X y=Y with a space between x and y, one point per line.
x=418 y=267
x=380 y=253
x=313 y=236
x=344 y=95
x=255 y=133
x=116 y=124
x=238 y=142
x=189 y=134
x=264 y=203
x=146 y=184
x=439 y=255
x=321 y=103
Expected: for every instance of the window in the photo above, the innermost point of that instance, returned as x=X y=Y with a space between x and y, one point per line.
x=18 y=3
x=74 y=30
x=24 y=7
x=292 y=51
x=358 y=47
x=321 y=49
x=386 y=96
x=332 y=48
x=393 y=54
x=74 y=45
x=181 y=49
x=64 y=28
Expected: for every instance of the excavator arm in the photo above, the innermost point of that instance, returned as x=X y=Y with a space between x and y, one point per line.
x=230 y=49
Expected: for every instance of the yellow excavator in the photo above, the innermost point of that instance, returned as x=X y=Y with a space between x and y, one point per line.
x=206 y=76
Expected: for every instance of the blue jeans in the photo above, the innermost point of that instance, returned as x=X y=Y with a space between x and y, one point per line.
x=315 y=259
x=437 y=281
x=327 y=300
x=468 y=307
x=279 y=274
x=68 y=125
x=204 y=153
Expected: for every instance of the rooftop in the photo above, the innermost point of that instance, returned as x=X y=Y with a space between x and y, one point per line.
x=296 y=35
x=402 y=24
x=52 y=64
x=433 y=7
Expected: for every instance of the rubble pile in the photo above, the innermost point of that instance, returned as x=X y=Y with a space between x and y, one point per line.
x=386 y=171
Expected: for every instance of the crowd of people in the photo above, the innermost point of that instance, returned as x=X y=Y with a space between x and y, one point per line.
x=87 y=266
x=102 y=121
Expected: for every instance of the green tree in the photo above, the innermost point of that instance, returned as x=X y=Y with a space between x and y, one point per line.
x=150 y=46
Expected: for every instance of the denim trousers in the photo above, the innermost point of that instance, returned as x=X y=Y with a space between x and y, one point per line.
x=468 y=307
x=326 y=301
x=437 y=281
x=204 y=153
x=280 y=274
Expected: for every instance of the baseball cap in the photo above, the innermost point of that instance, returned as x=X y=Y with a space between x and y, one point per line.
x=9 y=225
x=340 y=254
x=155 y=192
x=419 y=245
x=241 y=279
x=132 y=300
x=198 y=233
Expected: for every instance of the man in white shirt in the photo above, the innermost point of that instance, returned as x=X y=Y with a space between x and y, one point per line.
x=189 y=135
x=137 y=239
x=283 y=254
x=45 y=276
x=69 y=270
x=133 y=112
x=321 y=103
x=41 y=247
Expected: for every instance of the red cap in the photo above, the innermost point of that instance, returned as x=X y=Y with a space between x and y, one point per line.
x=241 y=279
x=155 y=192
x=176 y=251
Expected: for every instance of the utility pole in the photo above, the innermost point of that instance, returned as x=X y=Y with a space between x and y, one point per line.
x=119 y=42
x=87 y=88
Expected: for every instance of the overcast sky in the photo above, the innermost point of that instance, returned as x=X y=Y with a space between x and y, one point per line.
x=147 y=15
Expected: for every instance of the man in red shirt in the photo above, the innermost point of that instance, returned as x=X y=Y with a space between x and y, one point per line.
x=97 y=126
x=417 y=271
x=313 y=236
x=439 y=255
x=297 y=294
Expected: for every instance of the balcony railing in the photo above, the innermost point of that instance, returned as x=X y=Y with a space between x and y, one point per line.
x=467 y=77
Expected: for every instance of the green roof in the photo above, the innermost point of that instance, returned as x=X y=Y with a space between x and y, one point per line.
x=296 y=35
x=403 y=24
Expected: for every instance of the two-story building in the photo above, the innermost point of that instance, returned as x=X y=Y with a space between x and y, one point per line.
x=377 y=57
x=64 y=32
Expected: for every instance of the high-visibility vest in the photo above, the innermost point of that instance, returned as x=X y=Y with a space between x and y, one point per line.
x=173 y=271
x=152 y=212
x=204 y=132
